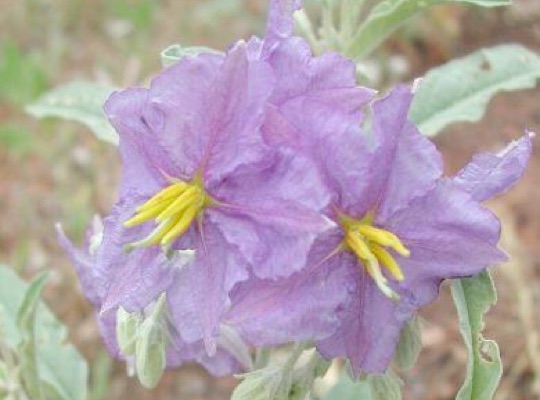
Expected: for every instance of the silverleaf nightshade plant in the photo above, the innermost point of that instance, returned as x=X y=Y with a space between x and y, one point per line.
x=256 y=209
x=202 y=171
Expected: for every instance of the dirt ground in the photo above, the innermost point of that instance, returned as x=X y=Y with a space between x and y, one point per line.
x=58 y=172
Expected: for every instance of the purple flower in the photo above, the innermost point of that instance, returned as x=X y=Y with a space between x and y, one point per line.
x=199 y=174
x=207 y=168
x=401 y=228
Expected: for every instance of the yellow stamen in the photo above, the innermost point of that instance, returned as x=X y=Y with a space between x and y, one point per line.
x=367 y=257
x=374 y=270
x=358 y=246
x=180 y=204
x=370 y=245
x=386 y=259
x=181 y=226
x=155 y=237
x=145 y=215
x=174 y=209
x=165 y=194
x=384 y=238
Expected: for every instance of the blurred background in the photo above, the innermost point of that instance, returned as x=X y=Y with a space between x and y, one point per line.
x=54 y=170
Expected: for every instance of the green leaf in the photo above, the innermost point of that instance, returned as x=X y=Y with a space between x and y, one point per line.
x=370 y=387
x=473 y=297
x=388 y=15
x=461 y=89
x=27 y=311
x=175 y=52
x=62 y=368
x=263 y=384
x=11 y=298
x=101 y=376
x=78 y=101
x=409 y=346
x=62 y=371
x=26 y=317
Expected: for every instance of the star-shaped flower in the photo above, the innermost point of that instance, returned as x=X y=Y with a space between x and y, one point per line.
x=401 y=228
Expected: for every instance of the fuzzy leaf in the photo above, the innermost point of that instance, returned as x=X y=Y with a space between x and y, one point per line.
x=78 y=101
x=389 y=15
x=26 y=317
x=11 y=298
x=473 y=297
x=409 y=346
x=461 y=89
x=62 y=371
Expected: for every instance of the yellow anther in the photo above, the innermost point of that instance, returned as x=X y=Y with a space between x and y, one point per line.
x=358 y=246
x=400 y=248
x=181 y=226
x=386 y=259
x=189 y=197
x=380 y=236
x=145 y=215
x=383 y=238
x=168 y=193
x=374 y=270
x=370 y=245
x=174 y=209
x=155 y=237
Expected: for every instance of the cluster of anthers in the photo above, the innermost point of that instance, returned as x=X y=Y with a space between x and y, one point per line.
x=173 y=209
x=368 y=243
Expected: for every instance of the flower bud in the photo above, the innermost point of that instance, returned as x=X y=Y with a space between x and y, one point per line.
x=150 y=353
x=127 y=325
x=151 y=345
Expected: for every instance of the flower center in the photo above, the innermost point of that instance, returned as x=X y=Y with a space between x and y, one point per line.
x=370 y=245
x=173 y=209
